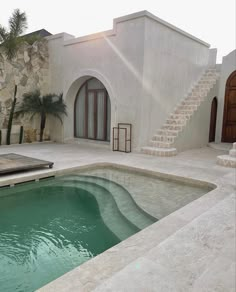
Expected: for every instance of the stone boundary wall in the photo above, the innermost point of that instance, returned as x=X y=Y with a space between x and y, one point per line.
x=29 y=70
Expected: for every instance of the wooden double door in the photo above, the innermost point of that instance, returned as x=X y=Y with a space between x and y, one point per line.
x=229 y=120
x=97 y=114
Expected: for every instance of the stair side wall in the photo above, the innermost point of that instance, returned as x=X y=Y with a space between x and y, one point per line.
x=196 y=132
x=173 y=63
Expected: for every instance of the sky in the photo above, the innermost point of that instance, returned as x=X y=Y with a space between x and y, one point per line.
x=213 y=21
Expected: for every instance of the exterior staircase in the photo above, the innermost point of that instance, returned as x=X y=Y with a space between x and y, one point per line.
x=163 y=142
x=228 y=160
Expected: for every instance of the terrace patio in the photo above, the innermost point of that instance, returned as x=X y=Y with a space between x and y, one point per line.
x=193 y=249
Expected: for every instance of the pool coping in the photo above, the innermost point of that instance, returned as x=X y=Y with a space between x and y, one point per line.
x=58 y=172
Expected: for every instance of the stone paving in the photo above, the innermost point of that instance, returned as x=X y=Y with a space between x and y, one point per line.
x=192 y=249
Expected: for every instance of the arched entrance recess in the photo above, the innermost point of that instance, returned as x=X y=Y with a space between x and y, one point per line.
x=92 y=111
x=229 y=121
x=212 y=130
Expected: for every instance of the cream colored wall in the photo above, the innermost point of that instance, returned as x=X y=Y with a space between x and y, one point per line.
x=117 y=62
x=146 y=64
x=173 y=62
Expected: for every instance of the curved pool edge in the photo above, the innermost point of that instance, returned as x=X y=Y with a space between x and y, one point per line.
x=136 y=170
x=25 y=177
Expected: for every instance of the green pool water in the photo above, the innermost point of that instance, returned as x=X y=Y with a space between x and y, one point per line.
x=48 y=228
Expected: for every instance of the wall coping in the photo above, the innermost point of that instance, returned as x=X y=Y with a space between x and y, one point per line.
x=116 y=21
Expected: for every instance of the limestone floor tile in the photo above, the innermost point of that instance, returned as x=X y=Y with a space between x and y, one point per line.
x=191 y=250
x=142 y=275
x=219 y=276
x=192 y=259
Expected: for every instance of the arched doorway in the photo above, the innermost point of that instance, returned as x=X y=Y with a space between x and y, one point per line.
x=212 y=130
x=229 y=121
x=92 y=111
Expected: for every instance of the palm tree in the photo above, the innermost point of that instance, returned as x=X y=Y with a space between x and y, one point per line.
x=10 y=40
x=10 y=120
x=35 y=104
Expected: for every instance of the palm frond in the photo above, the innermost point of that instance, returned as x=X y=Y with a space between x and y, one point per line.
x=10 y=47
x=3 y=34
x=30 y=104
x=50 y=104
x=56 y=115
x=17 y=23
x=10 y=41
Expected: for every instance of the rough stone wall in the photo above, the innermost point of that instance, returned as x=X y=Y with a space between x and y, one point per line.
x=29 y=70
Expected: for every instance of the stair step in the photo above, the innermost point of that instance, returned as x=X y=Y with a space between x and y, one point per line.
x=203 y=86
x=195 y=98
x=207 y=80
x=187 y=112
x=176 y=121
x=180 y=116
x=165 y=132
x=210 y=73
x=191 y=102
x=188 y=107
x=199 y=91
x=173 y=127
x=204 y=81
x=199 y=95
x=164 y=138
x=158 y=144
x=159 y=151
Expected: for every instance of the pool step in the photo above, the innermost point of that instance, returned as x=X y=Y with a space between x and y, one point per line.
x=126 y=204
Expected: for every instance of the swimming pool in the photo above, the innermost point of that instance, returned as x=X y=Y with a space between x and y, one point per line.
x=49 y=227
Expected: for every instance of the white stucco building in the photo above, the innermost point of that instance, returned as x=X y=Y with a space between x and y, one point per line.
x=146 y=72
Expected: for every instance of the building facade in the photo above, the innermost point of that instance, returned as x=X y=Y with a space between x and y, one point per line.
x=146 y=72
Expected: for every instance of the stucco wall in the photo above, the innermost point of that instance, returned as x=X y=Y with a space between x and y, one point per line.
x=196 y=132
x=227 y=67
x=117 y=61
x=146 y=65
x=172 y=63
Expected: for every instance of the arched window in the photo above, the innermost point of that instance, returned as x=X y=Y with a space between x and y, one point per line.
x=93 y=111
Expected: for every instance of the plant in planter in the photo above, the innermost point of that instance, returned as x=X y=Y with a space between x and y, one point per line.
x=34 y=104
